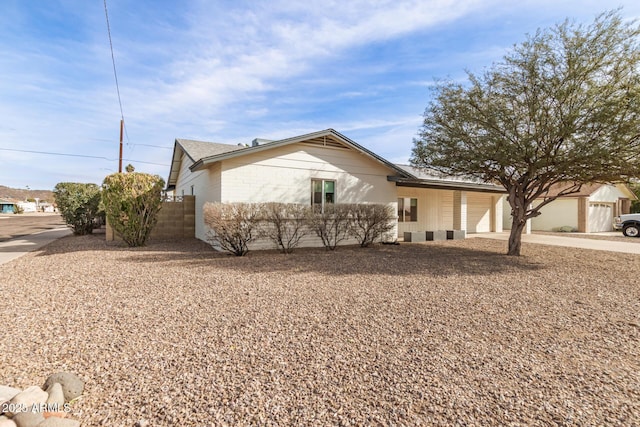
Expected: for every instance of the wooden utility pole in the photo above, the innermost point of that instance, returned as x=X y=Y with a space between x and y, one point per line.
x=120 y=158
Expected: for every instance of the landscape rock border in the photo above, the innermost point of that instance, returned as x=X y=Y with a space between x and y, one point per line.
x=35 y=407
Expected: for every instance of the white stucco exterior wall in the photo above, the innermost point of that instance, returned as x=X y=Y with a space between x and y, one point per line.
x=556 y=214
x=435 y=209
x=204 y=184
x=284 y=174
x=607 y=194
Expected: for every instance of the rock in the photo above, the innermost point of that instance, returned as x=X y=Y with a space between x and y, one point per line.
x=6 y=422
x=72 y=385
x=59 y=422
x=56 y=395
x=28 y=397
x=7 y=393
x=59 y=414
x=28 y=419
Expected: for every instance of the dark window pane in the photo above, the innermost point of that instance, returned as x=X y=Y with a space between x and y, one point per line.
x=400 y=210
x=329 y=198
x=329 y=192
x=329 y=187
x=407 y=209
x=316 y=192
x=414 y=209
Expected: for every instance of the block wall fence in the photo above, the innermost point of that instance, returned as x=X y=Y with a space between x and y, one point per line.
x=176 y=219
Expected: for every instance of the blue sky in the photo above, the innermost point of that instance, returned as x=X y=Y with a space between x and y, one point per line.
x=231 y=71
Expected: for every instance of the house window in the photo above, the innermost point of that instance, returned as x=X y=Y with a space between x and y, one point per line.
x=192 y=190
x=407 y=209
x=322 y=192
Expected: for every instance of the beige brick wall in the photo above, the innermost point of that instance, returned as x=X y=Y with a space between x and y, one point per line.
x=175 y=220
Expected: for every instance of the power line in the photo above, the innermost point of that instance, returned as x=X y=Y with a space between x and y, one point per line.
x=79 y=155
x=133 y=144
x=154 y=146
x=115 y=73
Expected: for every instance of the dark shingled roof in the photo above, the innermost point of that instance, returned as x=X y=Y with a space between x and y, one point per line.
x=197 y=150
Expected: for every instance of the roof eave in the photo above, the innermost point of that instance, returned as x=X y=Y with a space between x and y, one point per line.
x=447 y=185
x=174 y=169
x=204 y=162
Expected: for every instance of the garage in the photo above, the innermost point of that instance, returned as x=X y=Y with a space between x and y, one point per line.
x=600 y=217
x=479 y=212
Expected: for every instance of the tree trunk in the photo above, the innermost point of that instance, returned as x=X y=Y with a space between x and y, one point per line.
x=515 y=237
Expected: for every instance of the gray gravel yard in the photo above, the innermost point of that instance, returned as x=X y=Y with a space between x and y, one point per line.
x=417 y=334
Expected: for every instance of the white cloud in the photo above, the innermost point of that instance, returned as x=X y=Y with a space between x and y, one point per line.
x=246 y=53
x=233 y=71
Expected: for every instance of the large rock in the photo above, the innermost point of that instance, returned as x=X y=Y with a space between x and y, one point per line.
x=28 y=397
x=28 y=419
x=7 y=393
x=56 y=396
x=72 y=385
x=6 y=422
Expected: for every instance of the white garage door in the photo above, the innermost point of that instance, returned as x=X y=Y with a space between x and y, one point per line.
x=600 y=217
x=479 y=213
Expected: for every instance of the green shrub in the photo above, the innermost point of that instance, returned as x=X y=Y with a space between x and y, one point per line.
x=132 y=202
x=233 y=225
x=79 y=205
x=17 y=209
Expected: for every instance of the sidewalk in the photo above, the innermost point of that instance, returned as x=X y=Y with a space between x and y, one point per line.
x=15 y=248
x=632 y=247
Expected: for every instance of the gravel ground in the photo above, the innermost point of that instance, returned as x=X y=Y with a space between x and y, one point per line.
x=451 y=333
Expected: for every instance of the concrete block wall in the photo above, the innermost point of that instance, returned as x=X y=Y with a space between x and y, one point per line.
x=175 y=220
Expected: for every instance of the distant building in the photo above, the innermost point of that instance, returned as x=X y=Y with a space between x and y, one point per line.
x=6 y=206
x=28 y=206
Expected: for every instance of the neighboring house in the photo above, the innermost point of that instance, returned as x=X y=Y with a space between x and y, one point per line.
x=47 y=207
x=6 y=207
x=28 y=206
x=327 y=167
x=590 y=210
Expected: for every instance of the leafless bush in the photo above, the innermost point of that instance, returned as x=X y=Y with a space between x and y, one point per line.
x=286 y=224
x=332 y=225
x=233 y=225
x=370 y=222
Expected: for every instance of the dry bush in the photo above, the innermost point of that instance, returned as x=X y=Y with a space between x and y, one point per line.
x=332 y=226
x=369 y=222
x=233 y=225
x=286 y=224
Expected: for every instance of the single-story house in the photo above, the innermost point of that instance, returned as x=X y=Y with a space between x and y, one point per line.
x=590 y=210
x=327 y=167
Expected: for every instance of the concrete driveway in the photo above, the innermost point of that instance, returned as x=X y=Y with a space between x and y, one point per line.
x=630 y=247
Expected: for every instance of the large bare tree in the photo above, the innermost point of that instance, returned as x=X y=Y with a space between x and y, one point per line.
x=562 y=108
